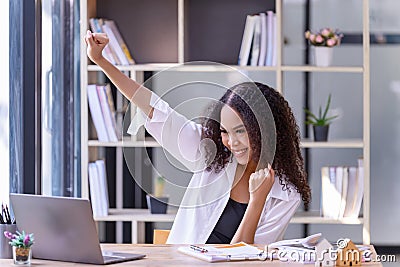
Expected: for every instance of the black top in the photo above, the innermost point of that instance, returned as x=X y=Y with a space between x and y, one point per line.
x=228 y=223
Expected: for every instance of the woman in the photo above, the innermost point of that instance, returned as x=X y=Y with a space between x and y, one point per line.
x=240 y=190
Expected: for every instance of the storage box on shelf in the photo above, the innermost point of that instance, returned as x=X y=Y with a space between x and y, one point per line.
x=166 y=33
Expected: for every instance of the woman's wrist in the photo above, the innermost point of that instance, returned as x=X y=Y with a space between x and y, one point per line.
x=256 y=201
x=100 y=61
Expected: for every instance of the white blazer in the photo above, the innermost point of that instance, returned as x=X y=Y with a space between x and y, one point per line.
x=208 y=192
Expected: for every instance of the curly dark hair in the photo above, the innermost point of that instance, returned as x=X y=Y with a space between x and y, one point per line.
x=273 y=133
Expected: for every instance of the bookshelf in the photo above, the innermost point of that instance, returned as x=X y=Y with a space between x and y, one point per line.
x=180 y=45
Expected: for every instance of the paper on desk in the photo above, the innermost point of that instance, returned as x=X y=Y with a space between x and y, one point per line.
x=238 y=251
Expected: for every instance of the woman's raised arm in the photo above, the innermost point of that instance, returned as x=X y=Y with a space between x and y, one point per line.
x=136 y=93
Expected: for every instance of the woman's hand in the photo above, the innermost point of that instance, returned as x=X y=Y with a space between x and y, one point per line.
x=95 y=45
x=260 y=184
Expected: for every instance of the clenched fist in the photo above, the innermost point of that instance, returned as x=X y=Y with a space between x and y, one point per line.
x=95 y=45
x=260 y=184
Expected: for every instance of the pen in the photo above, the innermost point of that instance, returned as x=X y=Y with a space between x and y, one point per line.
x=261 y=256
x=197 y=248
x=3 y=214
x=8 y=215
x=5 y=217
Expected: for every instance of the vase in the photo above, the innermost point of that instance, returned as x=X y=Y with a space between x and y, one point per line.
x=323 y=56
x=321 y=133
x=157 y=205
x=22 y=256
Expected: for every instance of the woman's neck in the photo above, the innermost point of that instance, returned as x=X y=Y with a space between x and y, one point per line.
x=249 y=168
x=240 y=187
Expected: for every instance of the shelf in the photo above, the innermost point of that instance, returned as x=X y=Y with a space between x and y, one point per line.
x=127 y=142
x=138 y=67
x=187 y=68
x=223 y=68
x=350 y=143
x=141 y=215
x=323 y=69
x=227 y=68
x=313 y=217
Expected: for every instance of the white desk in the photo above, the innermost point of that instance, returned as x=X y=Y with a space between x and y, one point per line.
x=165 y=255
x=137 y=217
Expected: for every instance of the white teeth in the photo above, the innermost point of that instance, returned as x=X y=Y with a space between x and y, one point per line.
x=239 y=152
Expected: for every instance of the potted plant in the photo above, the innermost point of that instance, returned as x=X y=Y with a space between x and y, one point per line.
x=323 y=41
x=21 y=243
x=320 y=122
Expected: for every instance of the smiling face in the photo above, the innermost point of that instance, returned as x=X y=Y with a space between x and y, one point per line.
x=234 y=135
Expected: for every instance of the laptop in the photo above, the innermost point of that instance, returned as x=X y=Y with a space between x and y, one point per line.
x=63 y=228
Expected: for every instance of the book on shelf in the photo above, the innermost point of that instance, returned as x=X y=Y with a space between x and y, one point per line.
x=216 y=253
x=117 y=125
x=102 y=110
x=328 y=192
x=255 y=48
x=263 y=39
x=351 y=192
x=274 y=40
x=100 y=22
x=96 y=113
x=101 y=170
x=259 y=40
x=341 y=191
x=98 y=188
x=270 y=38
x=344 y=188
x=355 y=191
x=96 y=28
x=247 y=38
x=120 y=55
x=94 y=186
x=113 y=26
x=109 y=117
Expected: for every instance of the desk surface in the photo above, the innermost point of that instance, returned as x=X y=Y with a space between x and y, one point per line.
x=160 y=255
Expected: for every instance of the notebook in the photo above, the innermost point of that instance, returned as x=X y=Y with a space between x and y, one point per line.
x=63 y=228
x=215 y=253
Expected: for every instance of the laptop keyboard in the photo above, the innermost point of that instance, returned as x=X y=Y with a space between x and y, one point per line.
x=114 y=255
x=110 y=259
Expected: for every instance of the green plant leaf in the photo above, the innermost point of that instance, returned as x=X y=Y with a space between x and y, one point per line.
x=310 y=114
x=320 y=123
x=327 y=107
x=321 y=119
x=328 y=120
